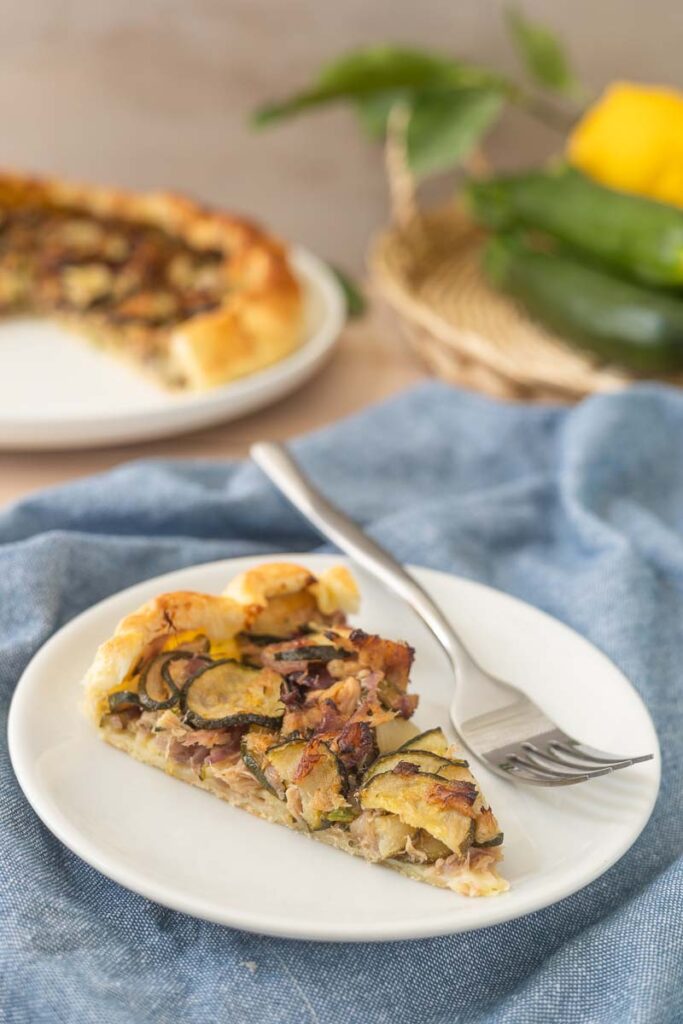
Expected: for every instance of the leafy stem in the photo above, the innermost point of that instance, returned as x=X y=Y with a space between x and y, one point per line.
x=447 y=105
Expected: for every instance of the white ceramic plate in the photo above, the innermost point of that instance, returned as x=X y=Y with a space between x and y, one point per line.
x=56 y=391
x=188 y=851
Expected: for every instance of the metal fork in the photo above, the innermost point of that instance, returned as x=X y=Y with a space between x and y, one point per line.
x=494 y=720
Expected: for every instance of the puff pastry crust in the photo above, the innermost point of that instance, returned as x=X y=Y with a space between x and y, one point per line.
x=221 y=617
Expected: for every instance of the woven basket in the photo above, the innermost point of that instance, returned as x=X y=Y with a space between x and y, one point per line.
x=427 y=268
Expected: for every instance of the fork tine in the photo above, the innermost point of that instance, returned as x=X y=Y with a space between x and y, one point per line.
x=564 y=755
x=537 y=778
x=532 y=758
x=598 y=756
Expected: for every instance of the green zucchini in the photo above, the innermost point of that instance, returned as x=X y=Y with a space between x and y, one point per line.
x=432 y=848
x=616 y=320
x=319 y=777
x=157 y=688
x=123 y=700
x=390 y=735
x=423 y=760
x=314 y=652
x=285 y=757
x=227 y=693
x=259 y=639
x=641 y=238
x=486 y=830
x=253 y=748
x=427 y=801
x=433 y=740
x=341 y=815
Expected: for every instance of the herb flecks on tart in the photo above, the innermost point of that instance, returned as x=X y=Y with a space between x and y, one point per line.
x=190 y=296
x=266 y=697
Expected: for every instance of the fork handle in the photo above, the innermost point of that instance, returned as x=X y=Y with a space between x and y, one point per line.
x=283 y=471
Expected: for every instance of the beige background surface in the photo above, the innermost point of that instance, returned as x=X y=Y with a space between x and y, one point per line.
x=149 y=92
x=156 y=92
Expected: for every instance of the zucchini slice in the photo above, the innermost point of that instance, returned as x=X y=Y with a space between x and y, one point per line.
x=433 y=740
x=285 y=757
x=341 y=815
x=458 y=771
x=253 y=747
x=427 y=801
x=487 y=832
x=259 y=639
x=123 y=700
x=390 y=735
x=157 y=689
x=318 y=776
x=423 y=759
x=226 y=693
x=486 y=829
x=313 y=652
x=432 y=847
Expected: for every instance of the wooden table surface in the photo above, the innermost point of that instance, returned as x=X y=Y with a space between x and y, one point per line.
x=369 y=363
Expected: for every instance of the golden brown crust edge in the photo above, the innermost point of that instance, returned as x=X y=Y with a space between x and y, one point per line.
x=220 y=617
x=258 y=324
x=334 y=590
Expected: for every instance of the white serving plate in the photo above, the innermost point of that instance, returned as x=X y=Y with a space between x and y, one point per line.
x=189 y=851
x=57 y=392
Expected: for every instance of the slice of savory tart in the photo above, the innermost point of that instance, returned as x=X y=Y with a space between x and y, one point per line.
x=266 y=697
x=189 y=296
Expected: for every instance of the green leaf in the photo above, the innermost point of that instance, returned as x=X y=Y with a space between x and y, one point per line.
x=541 y=53
x=355 y=300
x=379 y=69
x=373 y=110
x=445 y=127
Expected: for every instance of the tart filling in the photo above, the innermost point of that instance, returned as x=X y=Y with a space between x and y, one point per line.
x=304 y=721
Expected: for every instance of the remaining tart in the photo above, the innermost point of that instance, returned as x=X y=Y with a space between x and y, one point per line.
x=267 y=698
x=191 y=296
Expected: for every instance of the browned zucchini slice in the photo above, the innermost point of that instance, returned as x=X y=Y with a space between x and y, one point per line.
x=226 y=693
x=427 y=801
x=253 y=749
x=259 y=639
x=458 y=771
x=423 y=759
x=433 y=740
x=157 y=690
x=487 y=831
x=313 y=652
x=317 y=776
x=390 y=735
x=162 y=677
x=123 y=700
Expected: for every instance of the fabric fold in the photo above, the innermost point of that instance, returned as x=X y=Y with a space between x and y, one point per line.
x=579 y=511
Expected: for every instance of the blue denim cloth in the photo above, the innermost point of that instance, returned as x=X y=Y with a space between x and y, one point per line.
x=579 y=512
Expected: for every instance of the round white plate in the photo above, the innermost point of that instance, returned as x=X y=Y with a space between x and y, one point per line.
x=56 y=391
x=188 y=851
